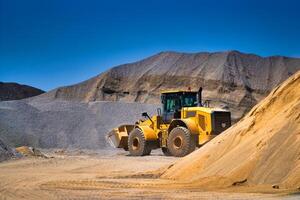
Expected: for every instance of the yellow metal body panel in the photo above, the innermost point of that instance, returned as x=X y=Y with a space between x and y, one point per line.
x=150 y=128
x=149 y=133
x=200 y=122
x=191 y=125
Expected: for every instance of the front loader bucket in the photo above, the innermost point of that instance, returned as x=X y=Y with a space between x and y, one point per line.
x=118 y=136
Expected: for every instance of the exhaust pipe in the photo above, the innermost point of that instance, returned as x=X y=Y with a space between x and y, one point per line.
x=200 y=97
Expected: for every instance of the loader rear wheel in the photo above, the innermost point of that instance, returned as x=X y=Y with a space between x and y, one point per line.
x=137 y=144
x=180 y=142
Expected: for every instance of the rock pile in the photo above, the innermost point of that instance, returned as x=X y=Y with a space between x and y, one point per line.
x=5 y=151
x=64 y=124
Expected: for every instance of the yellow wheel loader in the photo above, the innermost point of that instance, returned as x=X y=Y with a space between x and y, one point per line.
x=184 y=124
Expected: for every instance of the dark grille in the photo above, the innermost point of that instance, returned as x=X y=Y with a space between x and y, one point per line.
x=220 y=121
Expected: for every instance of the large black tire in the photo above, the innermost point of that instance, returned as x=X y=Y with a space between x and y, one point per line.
x=180 y=142
x=137 y=144
x=165 y=151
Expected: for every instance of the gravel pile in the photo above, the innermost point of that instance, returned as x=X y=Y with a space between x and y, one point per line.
x=63 y=124
x=5 y=152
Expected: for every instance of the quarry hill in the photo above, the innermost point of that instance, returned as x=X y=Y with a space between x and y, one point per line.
x=231 y=78
x=15 y=91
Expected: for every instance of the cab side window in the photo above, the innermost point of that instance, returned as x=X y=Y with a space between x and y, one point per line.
x=170 y=105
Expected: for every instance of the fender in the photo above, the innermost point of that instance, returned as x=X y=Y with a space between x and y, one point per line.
x=188 y=123
x=149 y=133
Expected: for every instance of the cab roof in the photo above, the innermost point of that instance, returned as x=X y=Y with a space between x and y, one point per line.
x=177 y=91
x=205 y=109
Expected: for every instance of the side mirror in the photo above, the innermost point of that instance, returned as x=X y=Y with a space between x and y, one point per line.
x=145 y=114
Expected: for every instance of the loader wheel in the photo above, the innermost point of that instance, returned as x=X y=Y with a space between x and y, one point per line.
x=166 y=151
x=180 y=142
x=137 y=144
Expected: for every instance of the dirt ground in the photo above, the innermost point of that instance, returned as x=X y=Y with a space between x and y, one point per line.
x=103 y=175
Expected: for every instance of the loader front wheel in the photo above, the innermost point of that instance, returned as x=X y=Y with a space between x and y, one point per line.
x=180 y=142
x=137 y=144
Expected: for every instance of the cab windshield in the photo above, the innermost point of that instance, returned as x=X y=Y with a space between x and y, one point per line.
x=189 y=100
x=173 y=102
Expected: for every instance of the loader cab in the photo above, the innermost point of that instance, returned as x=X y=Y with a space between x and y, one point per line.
x=173 y=101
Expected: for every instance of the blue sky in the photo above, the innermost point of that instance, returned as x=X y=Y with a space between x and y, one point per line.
x=51 y=43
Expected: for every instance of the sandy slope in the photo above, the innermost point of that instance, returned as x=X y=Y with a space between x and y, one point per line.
x=262 y=149
x=102 y=175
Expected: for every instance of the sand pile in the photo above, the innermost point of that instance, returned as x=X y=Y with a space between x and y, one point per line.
x=262 y=149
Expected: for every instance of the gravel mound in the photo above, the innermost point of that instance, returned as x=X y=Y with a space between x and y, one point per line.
x=64 y=124
x=262 y=149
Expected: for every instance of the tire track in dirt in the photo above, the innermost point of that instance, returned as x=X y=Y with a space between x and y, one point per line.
x=99 y=177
